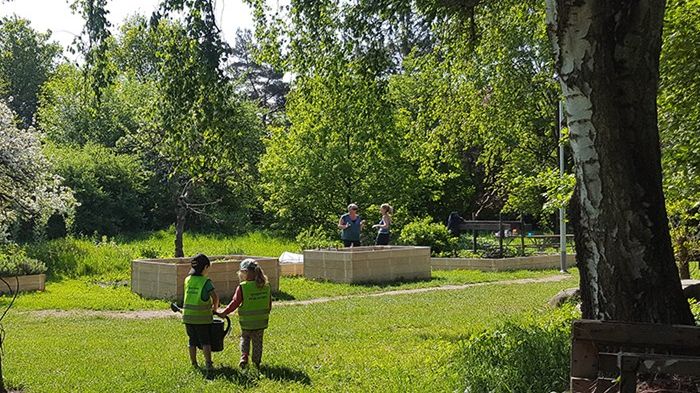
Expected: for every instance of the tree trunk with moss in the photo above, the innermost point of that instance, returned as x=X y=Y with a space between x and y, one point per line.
x=607 y=60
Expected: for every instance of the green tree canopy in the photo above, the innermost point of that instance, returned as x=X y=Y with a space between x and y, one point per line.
x=27 y=60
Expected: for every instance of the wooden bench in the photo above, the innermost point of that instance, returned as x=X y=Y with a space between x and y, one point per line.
x=607 y=356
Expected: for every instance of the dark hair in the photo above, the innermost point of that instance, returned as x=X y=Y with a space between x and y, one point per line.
x=198 y=263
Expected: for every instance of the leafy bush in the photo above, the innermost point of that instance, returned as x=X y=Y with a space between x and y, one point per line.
x=15 y=262
x=110 y=188
x=316 y=237
x=148 y=252
x=425 y=232
x=529 y=354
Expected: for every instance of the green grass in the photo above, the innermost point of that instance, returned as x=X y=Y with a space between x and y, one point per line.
x=299 y=288
x=96 y=293
x=390 y=344
x=76 y=257
x=84 y=294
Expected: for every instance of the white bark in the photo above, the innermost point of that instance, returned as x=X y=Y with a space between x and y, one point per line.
x=574 y=53
x=607 y=59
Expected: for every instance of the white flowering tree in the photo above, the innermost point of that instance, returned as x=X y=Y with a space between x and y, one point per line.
x=28 y=188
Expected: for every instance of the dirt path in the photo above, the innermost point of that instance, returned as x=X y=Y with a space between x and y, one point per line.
x=149 y=314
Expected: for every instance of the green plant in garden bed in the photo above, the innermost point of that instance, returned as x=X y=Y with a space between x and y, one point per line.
x=695 y=271
x=15 y=262
x=401 y=343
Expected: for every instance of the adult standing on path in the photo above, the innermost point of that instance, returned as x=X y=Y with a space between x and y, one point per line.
x=384 y=224
x=351 y=224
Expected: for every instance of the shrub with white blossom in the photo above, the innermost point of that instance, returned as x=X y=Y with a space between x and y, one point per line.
x=28 y=188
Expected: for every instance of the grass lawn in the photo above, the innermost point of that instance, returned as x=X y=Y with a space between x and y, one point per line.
x=299 y=288
x=388 y=344
x=95 y=293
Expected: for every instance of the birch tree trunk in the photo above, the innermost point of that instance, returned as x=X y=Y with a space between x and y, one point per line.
x=607 y=59
x=181 y=214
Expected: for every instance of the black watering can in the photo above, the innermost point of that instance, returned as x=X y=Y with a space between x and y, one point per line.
x=218 y=331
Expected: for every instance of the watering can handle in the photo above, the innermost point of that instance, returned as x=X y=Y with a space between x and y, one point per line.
x=228 y=325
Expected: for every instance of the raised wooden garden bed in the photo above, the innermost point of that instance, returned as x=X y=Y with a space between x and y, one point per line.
x=292 y=269
x=33 y=282
x=534 y=262
x=164 y=278
x=368 y=264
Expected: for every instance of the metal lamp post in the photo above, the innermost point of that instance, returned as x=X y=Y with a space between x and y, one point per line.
x=562 y=210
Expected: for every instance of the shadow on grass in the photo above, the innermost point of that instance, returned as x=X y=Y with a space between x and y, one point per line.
x=249 y=377
x=283 y=373
x=372 y=284
x=282 y=295
x=244 y=378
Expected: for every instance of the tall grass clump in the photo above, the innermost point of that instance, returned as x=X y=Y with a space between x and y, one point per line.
x=76 y=257
x=527 y=354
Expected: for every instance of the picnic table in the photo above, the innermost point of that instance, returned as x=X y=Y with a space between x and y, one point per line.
x=501 y=227
x=506 y=232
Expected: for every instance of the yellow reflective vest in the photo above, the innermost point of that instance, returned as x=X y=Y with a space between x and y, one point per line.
x=194 y=310
x=254 y=312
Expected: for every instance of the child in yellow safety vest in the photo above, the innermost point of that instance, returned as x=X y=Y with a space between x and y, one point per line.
x=253 y=301
x=198 y=307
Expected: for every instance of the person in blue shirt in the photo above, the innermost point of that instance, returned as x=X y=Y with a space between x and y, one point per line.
x=351 y=225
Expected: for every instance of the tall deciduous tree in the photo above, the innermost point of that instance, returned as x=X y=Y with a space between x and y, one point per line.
x=27 y=59
x=206 y=130
x=471 y=106
x=607 y=58
x=94 y=42
x=69 y=112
